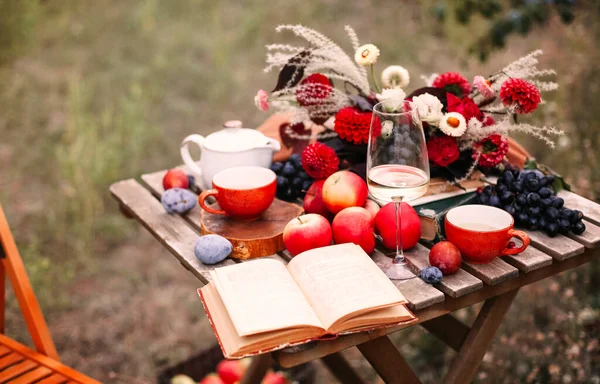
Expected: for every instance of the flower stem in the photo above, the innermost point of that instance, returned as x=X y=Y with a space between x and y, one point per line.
x=377 y=89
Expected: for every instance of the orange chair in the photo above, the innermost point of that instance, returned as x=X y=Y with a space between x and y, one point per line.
x=18 y=363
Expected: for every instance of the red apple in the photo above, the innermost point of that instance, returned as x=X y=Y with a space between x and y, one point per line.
x=313 y=200
x=212 y=379
x=231 y=371
x=354 y=225
x=274 y=378
x=385 y=225
x=306 y=232
x=344 y=189
x=446 y=257
x=372 y=207
x=175 y=178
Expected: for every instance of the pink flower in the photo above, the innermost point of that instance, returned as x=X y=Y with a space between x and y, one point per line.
x=484 y=87
x=262 y=100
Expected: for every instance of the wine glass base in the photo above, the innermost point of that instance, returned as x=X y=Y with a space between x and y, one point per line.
x=398 y=271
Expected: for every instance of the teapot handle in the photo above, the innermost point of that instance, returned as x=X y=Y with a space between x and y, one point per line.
x=185 y=152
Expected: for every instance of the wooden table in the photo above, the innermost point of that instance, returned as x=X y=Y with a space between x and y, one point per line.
x=496 y=284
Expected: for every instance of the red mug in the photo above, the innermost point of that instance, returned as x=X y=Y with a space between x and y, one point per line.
x=482 y=233
x=242 y=192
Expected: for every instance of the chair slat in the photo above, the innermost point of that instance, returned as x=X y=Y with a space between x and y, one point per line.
x=492 y=273
x=4 y=350
x=418 y=293
x=154 y=183
x=10 y=359
x=171 y=230
x=32 y=376
x=53 y=379
x=590 y=209
x=529 y=260
x=454 y=285
x=17 y=370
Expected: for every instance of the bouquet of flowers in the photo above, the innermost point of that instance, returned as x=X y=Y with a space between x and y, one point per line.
x=466 y=123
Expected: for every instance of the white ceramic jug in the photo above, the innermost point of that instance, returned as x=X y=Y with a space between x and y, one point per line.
x=229 y=147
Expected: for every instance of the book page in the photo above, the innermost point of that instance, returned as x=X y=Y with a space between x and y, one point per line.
x=340 y=280
x=261 y=296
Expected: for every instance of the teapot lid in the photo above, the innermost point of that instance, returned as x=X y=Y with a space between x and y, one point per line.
x=235 y=140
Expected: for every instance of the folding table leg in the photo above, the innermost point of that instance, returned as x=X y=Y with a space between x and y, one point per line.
x=388 y=362
x=482 y=332
x=341 y=369
x=257 y=369
x=448 y=329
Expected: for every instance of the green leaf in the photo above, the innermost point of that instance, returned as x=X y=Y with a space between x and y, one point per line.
x=530 y=164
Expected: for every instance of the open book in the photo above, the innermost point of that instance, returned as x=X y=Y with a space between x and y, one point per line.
x=263 y=305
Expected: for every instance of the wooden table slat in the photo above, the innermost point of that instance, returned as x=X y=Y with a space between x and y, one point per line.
x=529 y=260
x=590 y=209
x=492 y=273
x=590 y=238
x=559 y=247
x=454 y=285
x=171 y=230
x=418 y=293
x=154 y=183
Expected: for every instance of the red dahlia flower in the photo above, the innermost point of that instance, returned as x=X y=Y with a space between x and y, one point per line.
x=493 y=149
x=453 y=82
x=313 y=89
x=520 y=94
x=465 y=106
x=353 y=125
x=319 y=161
x=442 y=150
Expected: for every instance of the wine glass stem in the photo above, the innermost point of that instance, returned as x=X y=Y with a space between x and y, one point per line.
x=399 y=258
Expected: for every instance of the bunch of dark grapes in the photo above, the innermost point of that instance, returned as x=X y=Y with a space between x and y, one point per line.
x=292 y=181
x=528 y=196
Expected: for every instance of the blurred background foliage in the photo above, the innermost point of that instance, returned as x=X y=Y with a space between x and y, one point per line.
x=92 y=92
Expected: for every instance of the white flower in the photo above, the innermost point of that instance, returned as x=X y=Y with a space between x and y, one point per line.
x=453 y=124
x=393 y=98
x=386 y=128
x=395 y=76
x=366 y=55
x=429 y=107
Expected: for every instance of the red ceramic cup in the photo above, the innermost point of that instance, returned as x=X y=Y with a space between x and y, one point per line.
x=242 y=192
x=482 y=233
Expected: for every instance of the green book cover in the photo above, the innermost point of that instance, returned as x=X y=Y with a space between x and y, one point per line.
x=432 y=215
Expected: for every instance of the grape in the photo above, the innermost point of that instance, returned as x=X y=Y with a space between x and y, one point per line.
x=523 y=217
x=563 y=226
x=566 y=213
x=303 y=175
x=551 y=213
x=544 y=192
x=508 y=177
x=558 y=203
x=501 y=188
x=517 y=186
x=533 y=199
x=282 y=182
x=552 y=229
x=518 y=207
x=488 y=190
x=507 y=196
x=484 y=199
x=297 y=183
x=521 y=199
x=276 y=167
x=576 y=217
x=288 y=169
x=578 y=228
x=543 y=181
x=533 y=223
x=550 y=179
x=543 y=222
x=534 y=211
x=306 y=184
x=533 y=185
x=545 y=203
x=494 y=201
x=296 y=161
x=510 y=209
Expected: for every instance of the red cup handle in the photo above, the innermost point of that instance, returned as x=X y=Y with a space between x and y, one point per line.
x=203 y=196
x=524 y=238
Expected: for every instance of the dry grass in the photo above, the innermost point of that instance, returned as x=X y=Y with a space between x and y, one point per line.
x=108 y=88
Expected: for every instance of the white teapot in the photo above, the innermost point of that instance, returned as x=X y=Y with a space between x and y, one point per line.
x=229 y=147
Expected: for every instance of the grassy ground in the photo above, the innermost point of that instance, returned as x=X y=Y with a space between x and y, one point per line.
x=96 y=91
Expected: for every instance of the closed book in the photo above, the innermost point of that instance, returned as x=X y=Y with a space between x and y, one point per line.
x=432 y=214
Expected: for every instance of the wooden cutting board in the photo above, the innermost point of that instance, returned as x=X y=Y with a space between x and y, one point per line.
x=262 y=237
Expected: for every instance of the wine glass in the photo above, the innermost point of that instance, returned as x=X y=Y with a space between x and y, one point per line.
x=397 y=166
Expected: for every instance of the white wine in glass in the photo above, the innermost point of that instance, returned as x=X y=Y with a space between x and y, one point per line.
x=397 y=167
